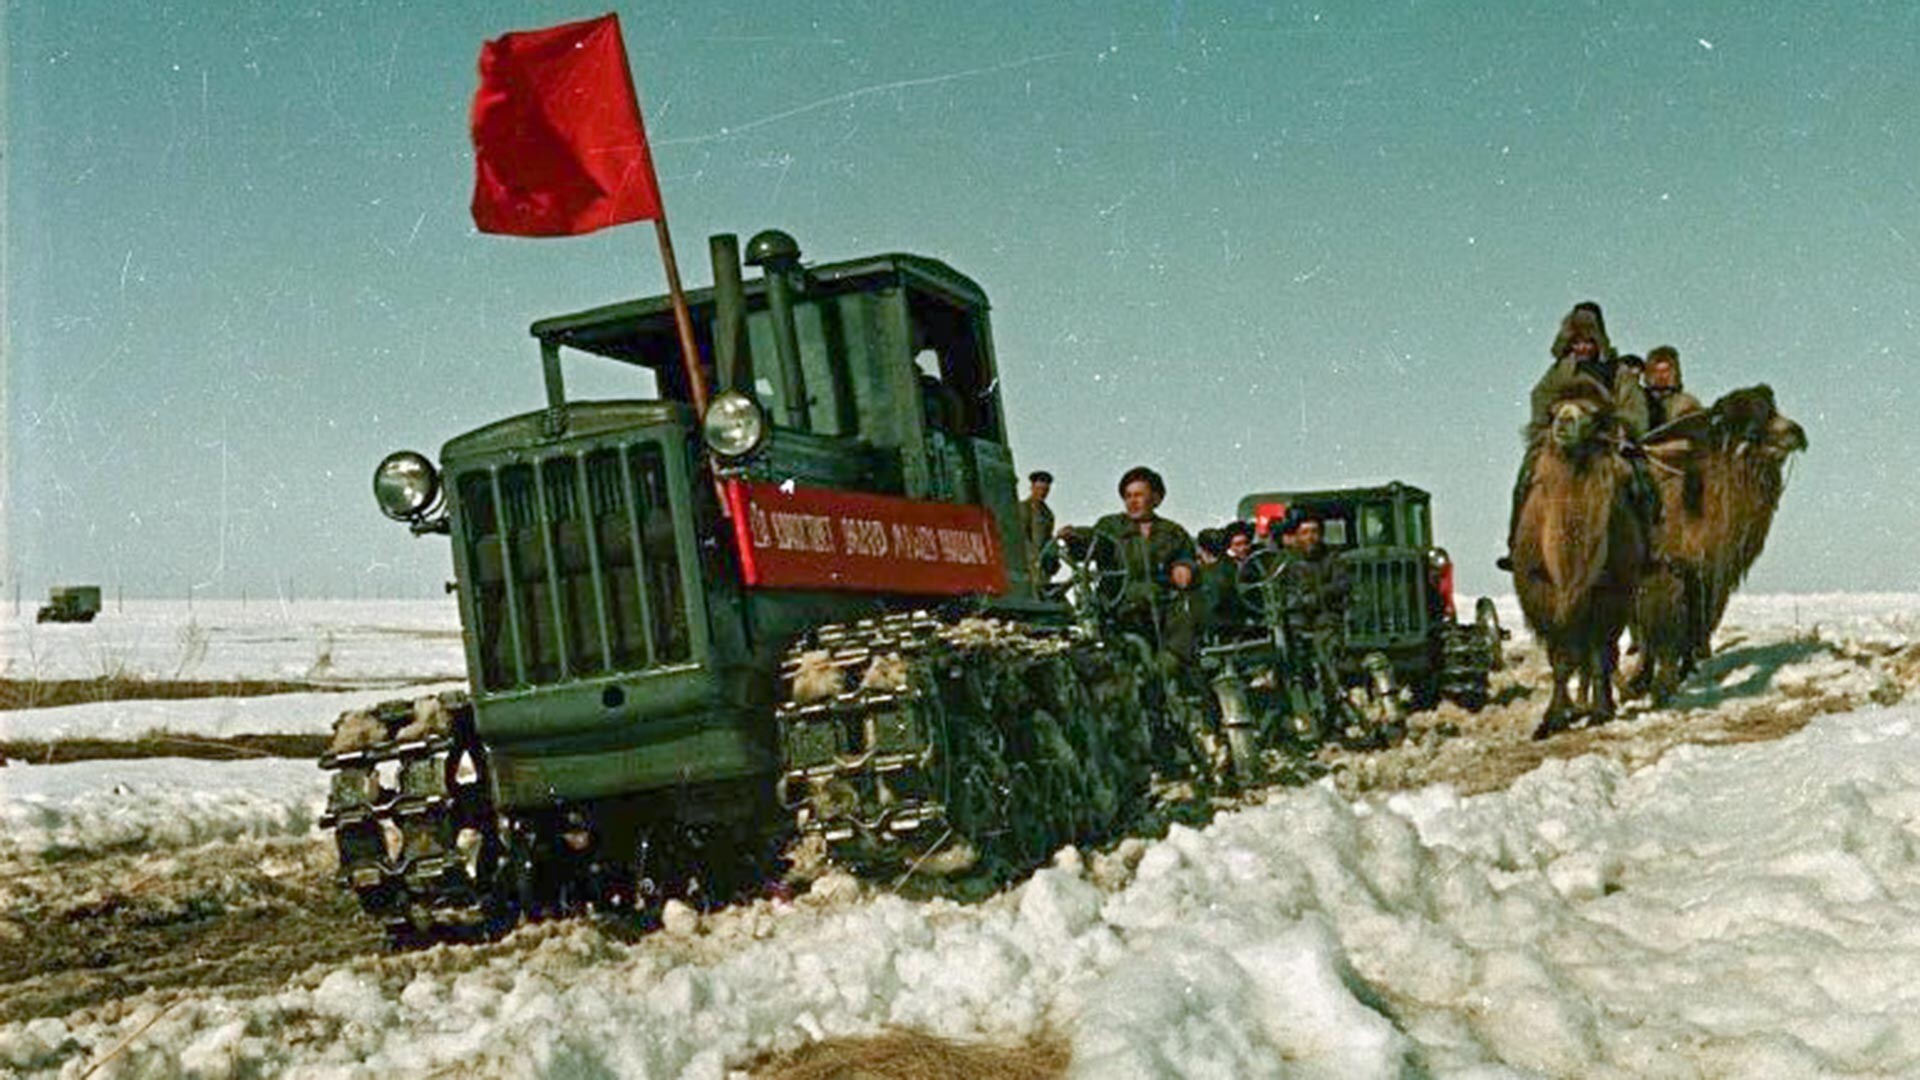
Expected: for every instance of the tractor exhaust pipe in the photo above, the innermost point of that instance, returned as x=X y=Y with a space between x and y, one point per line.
x=778 y=256
x=732 y=361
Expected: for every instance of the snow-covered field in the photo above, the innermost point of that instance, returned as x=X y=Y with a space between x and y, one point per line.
x=1737 y=910
x=344 y=642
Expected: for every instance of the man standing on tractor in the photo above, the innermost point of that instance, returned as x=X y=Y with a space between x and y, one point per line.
x=1221 y=552
x=1036 y=524
x=1239 y=541
x=1317 y=584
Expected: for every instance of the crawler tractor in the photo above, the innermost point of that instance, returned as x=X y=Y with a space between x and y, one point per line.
x=694 y=638
x=1402 y=607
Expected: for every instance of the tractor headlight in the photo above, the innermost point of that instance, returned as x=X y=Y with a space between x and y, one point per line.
x=1437 y=559
x=406 y=485
x=735 y=424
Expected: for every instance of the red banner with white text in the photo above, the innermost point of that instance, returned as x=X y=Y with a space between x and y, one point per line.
x=793 y=537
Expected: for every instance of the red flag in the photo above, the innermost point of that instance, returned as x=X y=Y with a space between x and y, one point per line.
x=559 y=148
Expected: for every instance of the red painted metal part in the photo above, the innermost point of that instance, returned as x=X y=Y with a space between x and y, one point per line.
x=793 y=537
x=1265 y=515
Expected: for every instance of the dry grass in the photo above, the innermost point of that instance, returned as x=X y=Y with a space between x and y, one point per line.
x=902 y=1054
x=164 y=744
x=47 y=693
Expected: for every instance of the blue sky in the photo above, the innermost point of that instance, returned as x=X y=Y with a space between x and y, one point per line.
x=1254 y=245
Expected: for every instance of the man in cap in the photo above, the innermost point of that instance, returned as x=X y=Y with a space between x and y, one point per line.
x=1156 y=557
x=1036 y=524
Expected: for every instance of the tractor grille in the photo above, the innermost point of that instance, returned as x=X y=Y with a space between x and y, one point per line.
x=574 y=565
x=1388 y=599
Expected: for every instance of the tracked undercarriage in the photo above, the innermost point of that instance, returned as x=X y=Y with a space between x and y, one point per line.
x=425 y=850
x=912 y=744
x=909 y=744
x=410 y=812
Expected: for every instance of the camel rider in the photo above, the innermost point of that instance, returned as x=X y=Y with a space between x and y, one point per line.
x=1156 y=560
x=1667 y=401
x=1585 y=361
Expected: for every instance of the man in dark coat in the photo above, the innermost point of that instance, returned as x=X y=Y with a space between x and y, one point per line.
x=1317 y=585
x=1219 y=581
x=1156 y=556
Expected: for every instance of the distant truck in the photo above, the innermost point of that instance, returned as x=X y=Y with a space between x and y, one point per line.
x=70 y=603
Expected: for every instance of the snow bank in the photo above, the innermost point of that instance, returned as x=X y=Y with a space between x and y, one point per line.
x=1734 y=911
x=153 y=803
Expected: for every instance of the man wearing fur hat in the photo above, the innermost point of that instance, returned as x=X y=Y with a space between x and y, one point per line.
x=1585 y=361
x=1666 y=400
x=1583 y=358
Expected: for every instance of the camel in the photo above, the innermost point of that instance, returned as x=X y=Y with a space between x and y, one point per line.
x=1579 y=549
x=1721 y=475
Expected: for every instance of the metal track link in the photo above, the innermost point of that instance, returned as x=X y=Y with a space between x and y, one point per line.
x=409 y=809
x=910 y=735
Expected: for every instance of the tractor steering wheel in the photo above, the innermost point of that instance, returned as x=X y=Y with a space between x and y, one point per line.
x=1258 y=579
x=1089 y=578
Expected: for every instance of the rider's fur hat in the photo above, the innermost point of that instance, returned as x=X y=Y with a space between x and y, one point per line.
x=1582 y=322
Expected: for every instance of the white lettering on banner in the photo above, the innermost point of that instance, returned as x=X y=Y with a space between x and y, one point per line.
x=847 y=533
x=802 y=532
x=963 y=546
x=864 y=536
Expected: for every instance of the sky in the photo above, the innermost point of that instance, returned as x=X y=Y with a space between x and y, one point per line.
x=1257 y=246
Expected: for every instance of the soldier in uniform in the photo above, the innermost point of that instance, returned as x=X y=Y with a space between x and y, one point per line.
x=1666 y=399
x=1036 y=524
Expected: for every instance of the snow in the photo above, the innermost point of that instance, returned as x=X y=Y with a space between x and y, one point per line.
x=328 y=641
x=372 y=650
x=1739 y=910
x=198 y=718
x=153 y=803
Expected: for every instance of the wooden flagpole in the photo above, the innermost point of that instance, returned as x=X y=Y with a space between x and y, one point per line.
x=682 y=319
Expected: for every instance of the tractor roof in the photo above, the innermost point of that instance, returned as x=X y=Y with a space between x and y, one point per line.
x=610 y=329
x=1333 y=496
